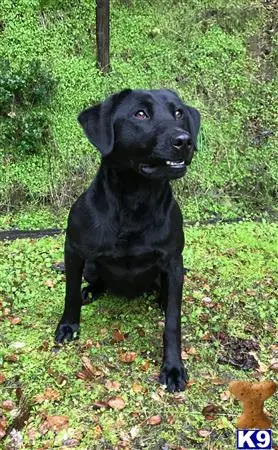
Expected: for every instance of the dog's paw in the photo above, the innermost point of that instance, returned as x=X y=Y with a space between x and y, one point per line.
x=92 y=292
x=85 y=294
x=174 y=377
x=66 y=332
x=89 y=294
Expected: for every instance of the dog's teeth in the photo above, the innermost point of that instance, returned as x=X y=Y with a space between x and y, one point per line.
x=175 y=163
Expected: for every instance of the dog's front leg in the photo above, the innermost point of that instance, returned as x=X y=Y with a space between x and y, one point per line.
x=68 y=327
x=172 y=374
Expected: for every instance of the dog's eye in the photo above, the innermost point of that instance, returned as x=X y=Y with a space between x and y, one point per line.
x=178 y=114
x=141 y=115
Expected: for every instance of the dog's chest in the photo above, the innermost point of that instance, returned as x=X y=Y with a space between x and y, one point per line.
x=125 y=245
x=128 y=274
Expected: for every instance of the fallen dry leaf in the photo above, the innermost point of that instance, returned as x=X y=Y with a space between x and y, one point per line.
x=14 y=320
x=2 y=378
x=44 y=346
x=3 y=426
x=136 y=387
x=33 y=434
x=118 y=336
x=263 y=368
x=274 y=348
x=97 y=431
x=171 y=420
x=249 y=328
x=49 y=283
x=210 y=411
x=156 y=397
x=100 y=404
x=7 y=405
x=203 y=433
x=238 y=352
x=87 y=365
x=82 y=376
x=71 y=443
x=134 y=432
x=184 y=355
x=251 y=292
x=207 y=337
x=87 y=345
x=120 y=424
x=179 y=397
x=49 y=394
x=192 y=351
x=116 y=403
x=124 y=442
x=140 y=331
x=154 y=420
x=274 y=365
x=127 y=357
x=88 y=371
x=217 y=381
x=11 y=358
x=161 y=391
x=204 y=318
x=112 y=385
x=55 y=423
x=207 y=301
x=225 y=395
x=144 y=366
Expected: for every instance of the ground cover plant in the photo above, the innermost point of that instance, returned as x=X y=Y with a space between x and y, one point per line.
x=102 y=391
x=220 y=56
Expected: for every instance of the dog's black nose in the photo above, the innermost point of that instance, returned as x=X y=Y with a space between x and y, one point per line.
x=181 y=141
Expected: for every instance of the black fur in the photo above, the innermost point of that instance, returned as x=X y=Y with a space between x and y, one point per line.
x=125 y=233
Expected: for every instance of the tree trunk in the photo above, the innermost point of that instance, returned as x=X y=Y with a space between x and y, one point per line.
x=102 y=28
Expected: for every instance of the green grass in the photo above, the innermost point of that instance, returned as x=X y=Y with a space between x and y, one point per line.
x=234 y=265
x=31 y=218
x=219 y=56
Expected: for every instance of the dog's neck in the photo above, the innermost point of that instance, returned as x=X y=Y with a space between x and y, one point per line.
x=133 y=191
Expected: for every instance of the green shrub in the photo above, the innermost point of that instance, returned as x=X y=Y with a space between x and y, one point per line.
x=23 y=94
x=27 y=132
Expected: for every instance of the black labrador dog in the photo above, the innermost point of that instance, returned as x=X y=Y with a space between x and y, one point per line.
x=125 y=233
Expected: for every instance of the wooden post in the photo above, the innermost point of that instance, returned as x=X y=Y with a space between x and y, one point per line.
x=102 y=37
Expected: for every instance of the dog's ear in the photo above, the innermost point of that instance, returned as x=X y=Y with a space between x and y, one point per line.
x=194 y=124
x=98 y=122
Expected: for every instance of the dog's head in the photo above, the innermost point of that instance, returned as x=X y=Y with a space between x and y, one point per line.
x=153 y=132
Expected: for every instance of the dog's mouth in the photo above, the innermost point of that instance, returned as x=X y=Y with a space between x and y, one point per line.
x=172 y=166
x=175 y=164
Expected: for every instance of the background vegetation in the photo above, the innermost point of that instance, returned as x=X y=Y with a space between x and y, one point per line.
x=220 y=56
x=102 y=392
